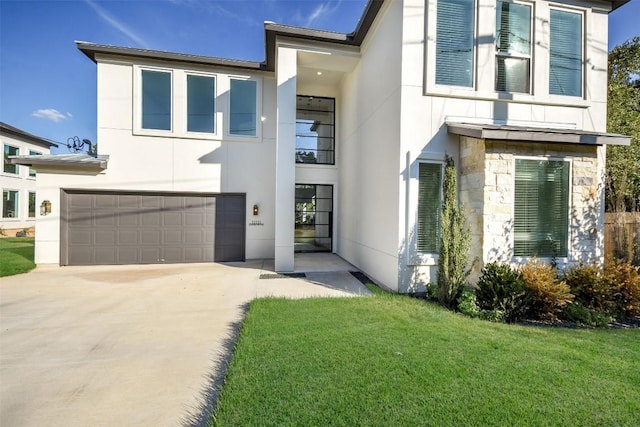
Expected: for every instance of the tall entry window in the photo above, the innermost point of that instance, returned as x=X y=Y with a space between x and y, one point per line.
x=429 y=207
x=315 y=130
x=313 y=218
x=541 y=221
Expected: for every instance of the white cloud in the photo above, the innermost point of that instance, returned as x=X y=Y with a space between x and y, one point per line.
x=119 y=26
x=320 y=11
x=51 y=114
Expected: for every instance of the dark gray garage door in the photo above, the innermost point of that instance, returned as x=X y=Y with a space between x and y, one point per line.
x=149 y=228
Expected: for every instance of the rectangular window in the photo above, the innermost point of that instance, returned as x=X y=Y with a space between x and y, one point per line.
x=455 y=42
x=243 y=107
x=429 y=207
x=32 y=172
x=541 y=222
x=156 y=100
x=315 y=130
x=32 y=204
x=201 y=95
x=8 y=167
x=9 y=204
x=513 y=47
x=565 y=51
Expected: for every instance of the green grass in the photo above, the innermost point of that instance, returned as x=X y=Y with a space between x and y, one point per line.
x=16 y=255
x=392 y=360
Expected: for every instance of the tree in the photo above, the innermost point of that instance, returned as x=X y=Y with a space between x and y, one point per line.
x=623 y=117
x=455 y=241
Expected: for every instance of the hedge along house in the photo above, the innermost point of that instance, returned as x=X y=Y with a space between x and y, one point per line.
x=336 y=142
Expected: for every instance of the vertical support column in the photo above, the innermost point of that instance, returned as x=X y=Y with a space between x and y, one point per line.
x=285 y=158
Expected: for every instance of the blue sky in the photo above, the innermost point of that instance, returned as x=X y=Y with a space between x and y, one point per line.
x=47 y=86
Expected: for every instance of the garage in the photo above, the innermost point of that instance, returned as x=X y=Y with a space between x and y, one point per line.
x=121 y=227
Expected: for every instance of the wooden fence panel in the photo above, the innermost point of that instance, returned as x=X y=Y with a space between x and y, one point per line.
x=622 y=236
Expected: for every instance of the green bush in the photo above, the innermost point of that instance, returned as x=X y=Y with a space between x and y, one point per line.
x=549 y=294
x=625 y=279
x=578 y=313
x=590 y=288
x=467 y=303
x=501 y=288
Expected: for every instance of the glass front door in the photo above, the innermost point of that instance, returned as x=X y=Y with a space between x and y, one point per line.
x=313 y=218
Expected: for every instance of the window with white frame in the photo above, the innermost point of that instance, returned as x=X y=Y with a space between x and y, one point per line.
x=32 y=171
x=429 y=207
x=541 y=208
x=455 y=44
x=10 y=204
x=7 y=167
x=513 y=47
x=156 y=99
x=243 y=107
x=565 y=53
x=32 y=205
x=201 y=103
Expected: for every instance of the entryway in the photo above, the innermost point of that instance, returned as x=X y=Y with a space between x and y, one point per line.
x=313 y=218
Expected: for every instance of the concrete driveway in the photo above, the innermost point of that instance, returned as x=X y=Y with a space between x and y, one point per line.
x=128 y=345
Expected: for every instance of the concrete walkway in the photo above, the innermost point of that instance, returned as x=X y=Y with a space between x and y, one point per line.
x=132 y=345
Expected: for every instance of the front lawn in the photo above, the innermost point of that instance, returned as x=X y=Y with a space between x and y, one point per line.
x=16 y=255
x=392 y=360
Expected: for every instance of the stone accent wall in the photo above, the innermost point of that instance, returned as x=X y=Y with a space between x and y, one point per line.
x=487 y=183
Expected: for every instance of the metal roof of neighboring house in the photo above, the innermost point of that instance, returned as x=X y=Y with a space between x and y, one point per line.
x=272 y=31
x=6 y=129
x=67 y=161
x=535 y=134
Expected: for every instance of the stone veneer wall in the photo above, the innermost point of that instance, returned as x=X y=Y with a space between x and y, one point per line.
x=487 y=191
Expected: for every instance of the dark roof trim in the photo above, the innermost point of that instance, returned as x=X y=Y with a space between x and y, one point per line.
x=531 y=134
x=6 y=129
x=63 y=161
x=272 y=31
x=617 y=3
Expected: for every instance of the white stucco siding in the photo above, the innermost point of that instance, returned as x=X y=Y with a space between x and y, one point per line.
x=368 y=149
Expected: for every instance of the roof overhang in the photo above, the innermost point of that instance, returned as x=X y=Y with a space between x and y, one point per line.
x=617 y=3
x=63 y=162
x=535 y=134
x=14 y=132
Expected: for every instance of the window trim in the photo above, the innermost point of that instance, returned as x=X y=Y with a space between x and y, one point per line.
x=583 y=51
x=18 y=169
x=185 y=112
x=258 y=122
x=17 y=210
x=559 y=259
x=333 y=132
x=137 y=102
x=529 y=57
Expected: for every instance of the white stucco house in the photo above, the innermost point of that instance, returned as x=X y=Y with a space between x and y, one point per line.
x=18 y=183
x=336 y=142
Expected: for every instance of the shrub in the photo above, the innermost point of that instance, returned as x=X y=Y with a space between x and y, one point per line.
x=548 y=293
x=501 y=288
x=494 y=315
x=467 y=303
x=625 y=279
x=578 y=313
x=590 y=288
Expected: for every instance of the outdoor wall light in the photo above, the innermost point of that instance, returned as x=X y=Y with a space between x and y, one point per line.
x=45 y=208
x=256 y=210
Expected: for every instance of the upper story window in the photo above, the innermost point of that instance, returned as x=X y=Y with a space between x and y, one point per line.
x=513 y=47
x=565 y=51
x=32 y=171
x=156 y=100
x=7 y=167
x=201 y=103
x=243 y=107
x=541 y=208
x=315 y=130
x=455 y=24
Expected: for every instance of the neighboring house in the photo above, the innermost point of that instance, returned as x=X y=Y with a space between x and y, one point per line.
x=18 y=183
x=336 y=142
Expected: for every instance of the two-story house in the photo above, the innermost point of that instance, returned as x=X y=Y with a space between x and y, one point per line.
x=336 y=142
x=18 y=183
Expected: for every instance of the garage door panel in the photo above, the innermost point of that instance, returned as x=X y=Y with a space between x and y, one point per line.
x=130 y=228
